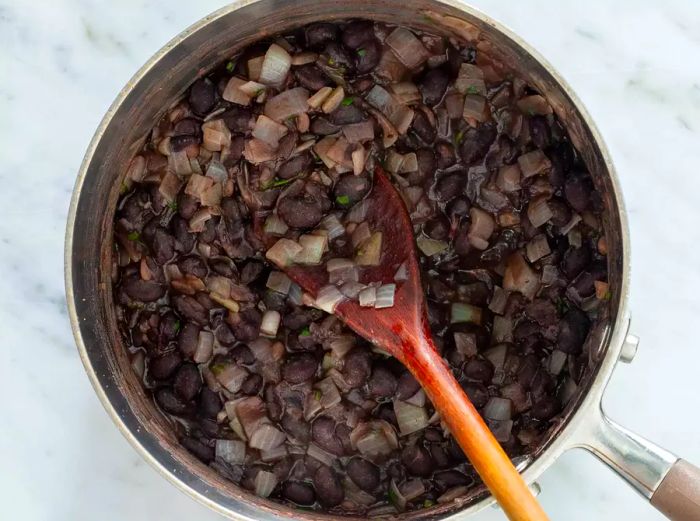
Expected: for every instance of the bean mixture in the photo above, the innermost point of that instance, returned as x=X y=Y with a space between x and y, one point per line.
x=270 y=158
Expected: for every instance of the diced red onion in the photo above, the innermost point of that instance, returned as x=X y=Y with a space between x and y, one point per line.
x=360 y=234
x=574 y=237
x=431 y=247
x=234 y=422
x=268 y=130
x=279 y=282
x=474 y=107
x=538 y=211
x=519 y=276
x=254 y=66
x=385 y=296
x=303 y=58
x=480 y=228
x=381 y=99
x=328 y=298
x=409 y=49
x=359 y=132
x=199 y=219
x=232 y=377
x=212 y=195
x=257 y=151
x=342 y=344
x=179 y=162
x=322 y=147
x=283 y=252
x=230 y=451
x=395 y=496
x=508 y=178
x=275 y=66
x=197 y=184
x=270 y=323
x=389 y=132
x=537 y=248
x=265 y=482
x=499 y=300
x=288 y=103
x=313 y=247
x=358 y=213
x=498 y=409
x=317 y=99
x=410 y=418
x=465 y=313
x=250 y=412
x=534 y=163
x=534 y=105
x=351 y=289
x=374 y=438
x=170 y=186
x=234 y=94
x=329 y=393
x=409 y=163
x=402 y=118
x=205 y=347
x=219 y=285
x=333 y=100
x=339 y=152
x=369 y=253
x=466 y=76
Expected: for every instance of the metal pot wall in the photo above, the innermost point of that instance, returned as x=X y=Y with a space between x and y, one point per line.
x=656 y=474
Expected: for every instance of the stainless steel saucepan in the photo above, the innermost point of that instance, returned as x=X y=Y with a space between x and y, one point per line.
x=670 y=484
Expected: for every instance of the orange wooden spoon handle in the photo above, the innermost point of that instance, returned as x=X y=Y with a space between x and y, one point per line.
x=472 y=434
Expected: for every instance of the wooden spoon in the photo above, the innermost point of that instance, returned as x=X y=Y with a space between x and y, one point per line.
x=403 y=331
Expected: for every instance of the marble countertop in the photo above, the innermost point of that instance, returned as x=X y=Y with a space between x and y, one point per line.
x=635 y=66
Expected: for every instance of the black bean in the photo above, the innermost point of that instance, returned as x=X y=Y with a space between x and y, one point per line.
x=561 y=213
x=294 y=424
x=357 y=33
x=479 y=370
x=299 y=493
x=252 y=385
x=199 y=449
x=450 y=186
x=184 y=239
x=237 y=119
x=417 y=460
x=188 y=338
x=170 y=402
x=382 y=383
x=433 y=85
x=329 y=491
x=251 y=271
x=437 y=228
x=427 y=164
x=422 y=127
x=323 y=434
x=299 y=368
x=143 y=290
x=575 y=261
x=445 y=153
x=337 y=57
x=539 y=131
x=179 y=143
x=202 y=96
x=193 y=265
x=321 y=126
x=368 y=56
x=192 y=310
x=476 y=142
x=241 y=354
x=209 y=403
x=163 y=246
x=296 y=166
x=187 y=127
x=577 y=191
x=164 y=366
x=352 y=187
x=345 y=115
x=573 y=330
x=311 y=77
x=168 y=328
x=301 y=211
x=247 y=327
x=545 y=408
x=407 y=386
x=319 y=34
x=439 y=456
x=458 y=207
x=478 y=394
x=357 y=367
x=187 y=382
x=363 y=473
x=451 y=478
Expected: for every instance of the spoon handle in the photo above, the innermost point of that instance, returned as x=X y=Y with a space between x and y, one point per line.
x=472 y=434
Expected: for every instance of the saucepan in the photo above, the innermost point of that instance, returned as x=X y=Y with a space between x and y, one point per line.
x=669 y=483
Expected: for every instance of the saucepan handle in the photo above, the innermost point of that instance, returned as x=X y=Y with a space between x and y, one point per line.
x=672 y=485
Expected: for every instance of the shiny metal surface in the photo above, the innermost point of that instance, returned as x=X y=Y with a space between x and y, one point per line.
x=160 y=82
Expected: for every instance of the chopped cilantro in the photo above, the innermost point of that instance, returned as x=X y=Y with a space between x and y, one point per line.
x=217 y=368
x=172 y=205
x=361 y=52
x=230 y=66
x=305 y=332
x=124 y=188
x=530 y=112
x=393 y=499
x=607 y=295
x=178 y=326
x=459 y=137
x=347 y=101
x=317 y=395
x=428 y=503
x=133 y=236
x=342 y=199
x=472 y=89
x=276 y=183
x=259 y=92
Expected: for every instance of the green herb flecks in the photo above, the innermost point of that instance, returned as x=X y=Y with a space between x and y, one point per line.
x=178 y=326
x=276 y=183
x=342 y=200
x=472 y=89
x=217 y=368
x=230 y=66
x=428 y=503
x=172 y=205
x=133 y=236
x=459 y=137
x=562 y=306
x=347 y=101
x=305 y=332
x=361 y=52
x=317 y=395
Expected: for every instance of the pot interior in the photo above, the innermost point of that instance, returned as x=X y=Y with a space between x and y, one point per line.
x=160 y=84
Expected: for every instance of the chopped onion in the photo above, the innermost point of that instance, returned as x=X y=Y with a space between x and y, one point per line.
x=303 y=123
x=538 y=211
x=359 y=157
x=231 y=377
x=137 y=169
x=431 y=247
x=215 y=135
x=405 y=92
x=537 y=248
x=333 y=100
x=389 y=132
x=212 y=195
x=497 y=355
x=341 y=271
x=470 y=76
x=197 y=185
x=502 y=329
x=395 y=496
x=465 y=343
x=179 y=162
x=474 y=107
x=417 y=399
x=342 y=344
x=410 y=418
x=465 y=313
x=556 y=362
x=265 y=482
x=170 y=186
x=385 y=296
x=254 y=66
x=374 y=438
x=409 y=163
x=501 y=429
x=534 y=105
x=252 y=88
x=266 y=437
x=519 y=276
x=499 y=300
x=199 y=219
x=402 y=118
x=332 y=225
x=279 y=282
x=257 y=151
x=550 y=274
x=357 y=213
x=412 y=488
x=359 y=132
x=381 y=99
x=319 y=97
x=453 y=493
x=322 y=147
x=283 y=252
x=329 y=393
x=275 y=66
x=498 y=409
x=229 y=304
x=369 y=253
x=303 y=58
x=230 y=451
x=602 y=290
x=574 y=237
x=328 y=298
x=262 y=350
x=321 y=455
x=339 y=152
x=205 y=347
x=409 y=49
x=567 y=391
x=250 y=413
x=508 y=178
x=575 y=219
x=480 y=228
x=368 y=297
x=534 y=163
x=351 y=289
x=288 y=103
x=235 y=94
x=268 y=130
x=275 y=226
x=312 y=250
x=270 y=323
x=275 y=454
x=454 y=103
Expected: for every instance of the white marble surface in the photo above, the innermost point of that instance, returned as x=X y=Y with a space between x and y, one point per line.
x=636 y=66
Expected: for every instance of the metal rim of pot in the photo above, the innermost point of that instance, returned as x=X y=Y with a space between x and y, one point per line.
x=120 y=135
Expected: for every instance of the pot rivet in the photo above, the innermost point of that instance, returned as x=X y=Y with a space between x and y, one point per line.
x=629 y=348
